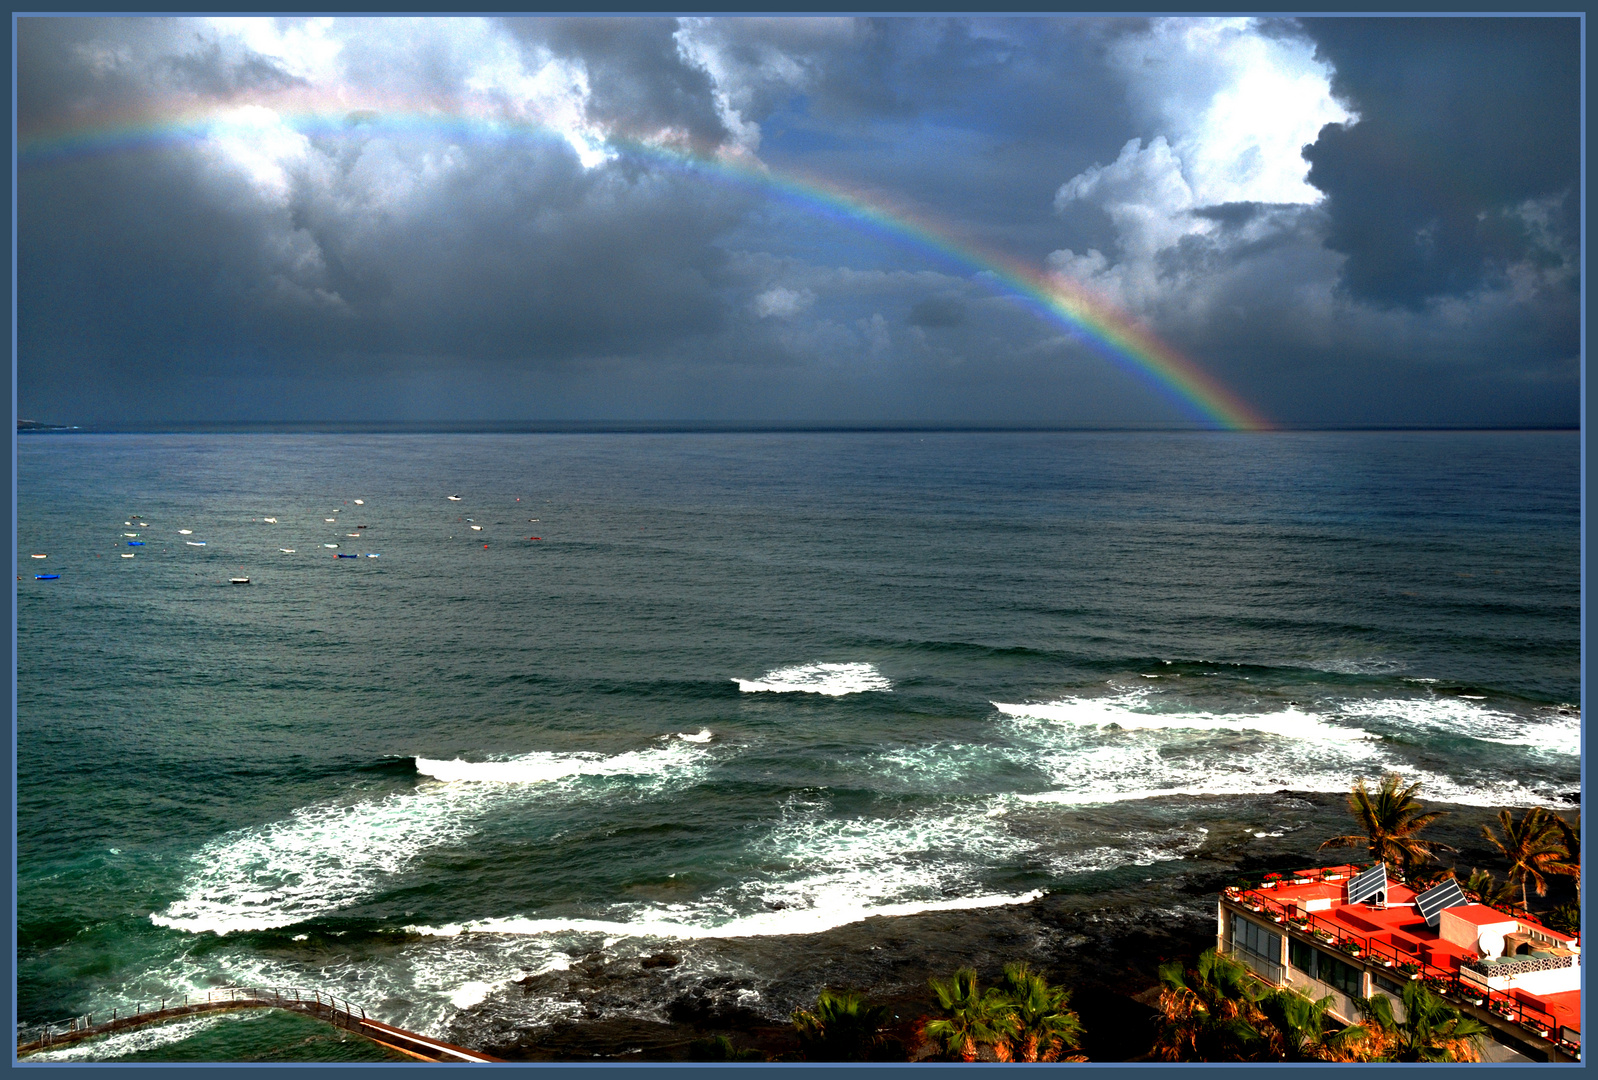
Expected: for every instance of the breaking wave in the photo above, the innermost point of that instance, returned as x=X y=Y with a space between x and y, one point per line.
x=834 y=680
x=325 y=857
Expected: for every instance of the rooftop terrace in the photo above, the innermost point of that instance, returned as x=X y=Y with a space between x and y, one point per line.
x=1515 y=968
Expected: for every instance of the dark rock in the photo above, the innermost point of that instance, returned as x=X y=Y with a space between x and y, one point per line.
x=661 y=960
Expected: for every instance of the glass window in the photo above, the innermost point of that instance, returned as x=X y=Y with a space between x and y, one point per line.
x=1336 y=973
x=1302 y=956
x=1251 y=937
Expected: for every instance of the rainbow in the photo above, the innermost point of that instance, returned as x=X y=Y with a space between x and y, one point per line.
x=1089 y=318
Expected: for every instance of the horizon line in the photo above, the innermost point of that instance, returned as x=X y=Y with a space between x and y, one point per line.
x=691 y=427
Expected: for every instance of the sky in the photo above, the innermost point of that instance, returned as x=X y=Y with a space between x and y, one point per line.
x=1032 y=222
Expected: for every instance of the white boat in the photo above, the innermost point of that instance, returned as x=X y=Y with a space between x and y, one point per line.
x=477 y=528
x=453 y=498
x=330 y=520
x=39 y=556
x=130 y=534
x=129 y=555
x=185 y=532
x=270 y=521
x=286 y=551
x=330 y=545
x=238 y=581
x=196 y=543
x=360 y=502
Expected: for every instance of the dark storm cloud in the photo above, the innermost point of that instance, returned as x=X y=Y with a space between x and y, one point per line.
x=937 y=311
x=1463 y=123
x=263 y=268
x=187 y=266
x=638 y=78
x=69 y=67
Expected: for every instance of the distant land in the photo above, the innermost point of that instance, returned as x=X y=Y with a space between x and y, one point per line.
x=39 y=425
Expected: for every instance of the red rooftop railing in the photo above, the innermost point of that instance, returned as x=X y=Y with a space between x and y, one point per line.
x=1385 y=954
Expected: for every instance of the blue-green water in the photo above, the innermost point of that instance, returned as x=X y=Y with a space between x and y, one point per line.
x=1015 y=665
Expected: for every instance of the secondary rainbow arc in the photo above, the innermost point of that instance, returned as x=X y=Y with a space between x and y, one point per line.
x=1054 y=298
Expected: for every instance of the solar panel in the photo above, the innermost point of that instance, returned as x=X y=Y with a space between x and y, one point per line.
x=1368 y=883
x=1433 y=900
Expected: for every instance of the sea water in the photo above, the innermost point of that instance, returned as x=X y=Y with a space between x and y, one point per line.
x=706 y=688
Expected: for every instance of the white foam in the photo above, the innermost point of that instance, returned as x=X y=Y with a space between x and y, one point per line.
x=1558 y=733
x=834 y=680
x=470 y=993
x=659 y=925
x=702 y=736
x=542 y=766
x=817 y=872
x=122 y=1043
x=1156 y=754
x=1128 y=712
x=325 y=857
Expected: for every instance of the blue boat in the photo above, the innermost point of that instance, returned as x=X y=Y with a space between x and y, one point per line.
x=135 y=543
x=341 y=555
x=46 y=577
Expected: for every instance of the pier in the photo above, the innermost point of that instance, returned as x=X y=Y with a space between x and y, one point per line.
x=314 y=1003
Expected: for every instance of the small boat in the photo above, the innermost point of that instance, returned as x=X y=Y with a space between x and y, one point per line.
x=453 y=498
x=330 y=545
x=330 y=520
x=375 y=555
x=341 y=555
x=135 y=543
x=477 y=528
x=196 y=543
x=270 y=521
x=127 y=555
x=356 y=536
x=40 y=556
x=185 y=532
x=286 y=551
x=360 y=502
x=360 y=526
x=46 y=577
x=238 y=581
x=130 y=534
x=144 y=524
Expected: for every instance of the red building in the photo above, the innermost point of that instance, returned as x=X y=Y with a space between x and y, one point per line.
x=1349 y=931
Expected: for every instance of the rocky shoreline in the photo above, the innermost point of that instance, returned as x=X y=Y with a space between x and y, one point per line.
x=1106 y=945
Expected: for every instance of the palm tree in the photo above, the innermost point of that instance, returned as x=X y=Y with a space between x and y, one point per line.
x=971 y=1016
x=1390 y=819
x=1211 y=1013
x=1433 y=1030
x=1530 y=847
x=1483 y=886
x=842 y=1027
x=1043 y=1024
x=1296 y=1026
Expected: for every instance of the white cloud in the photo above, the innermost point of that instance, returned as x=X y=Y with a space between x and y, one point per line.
x=306 y=48
x=783 y=303
x=1236 y=105
x=1230 y=109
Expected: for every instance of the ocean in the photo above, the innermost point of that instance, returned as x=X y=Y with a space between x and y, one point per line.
x=719 y=699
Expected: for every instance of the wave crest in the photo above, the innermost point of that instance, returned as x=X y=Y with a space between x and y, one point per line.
x=833 y=680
